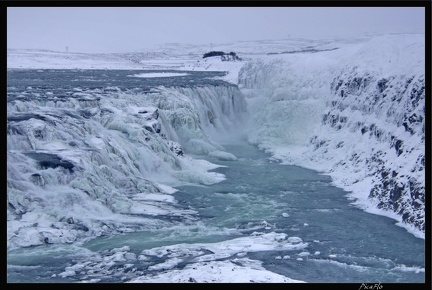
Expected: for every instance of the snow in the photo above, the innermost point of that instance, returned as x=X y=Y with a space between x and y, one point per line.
x=194 y=169
x=218 y=272
x=158 y=75
x=224 y=262
x=404 y=268
x=221 y=155
x=231 y=68
x=257 y=241
x=166 y=189
x=42 y=59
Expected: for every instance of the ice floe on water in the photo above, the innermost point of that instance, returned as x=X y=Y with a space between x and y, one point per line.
x=158 y=75
x=238 y=270
x=221 y=155
x=196 y=262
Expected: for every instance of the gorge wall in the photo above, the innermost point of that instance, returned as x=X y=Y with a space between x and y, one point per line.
x=356 y=113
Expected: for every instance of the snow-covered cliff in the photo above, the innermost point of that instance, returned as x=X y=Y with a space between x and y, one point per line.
x=356 y=113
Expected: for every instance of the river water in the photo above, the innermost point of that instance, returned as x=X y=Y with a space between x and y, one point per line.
x=345 y=244
x=353 y=246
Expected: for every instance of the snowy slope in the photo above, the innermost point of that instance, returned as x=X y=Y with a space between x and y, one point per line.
x=356 y=113
x=166 y=56
x=45 y=59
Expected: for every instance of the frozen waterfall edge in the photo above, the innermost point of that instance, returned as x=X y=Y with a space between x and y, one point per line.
x=97 y=162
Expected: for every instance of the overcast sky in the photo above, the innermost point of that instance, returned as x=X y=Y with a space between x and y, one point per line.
x=123 y=29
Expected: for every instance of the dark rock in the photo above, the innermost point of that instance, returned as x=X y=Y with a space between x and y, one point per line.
x=416 y=204
x=155 y=114
x=37 y=179
x=80 y=227
x=47 y=240
x=149 y=128
x=355 y=84
x=12 y=129
x=11 y=206
x=210 y=117
x=46 y=160
x=176 y=148
x=417 y=94
x=405 y=216
x=156 y=127
x=86 y=114
x=325 y=117
x=25 y=117
x=335 y=86
x=382 y=85
x=398 y=147
x=384 y=174
x=408 y=128
x=396 y=193
x=39 y=134
x=192 y=280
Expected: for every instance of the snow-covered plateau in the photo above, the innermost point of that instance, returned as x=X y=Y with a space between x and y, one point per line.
x=92 y=157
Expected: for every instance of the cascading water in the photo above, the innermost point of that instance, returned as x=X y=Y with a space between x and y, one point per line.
x=86 y=158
